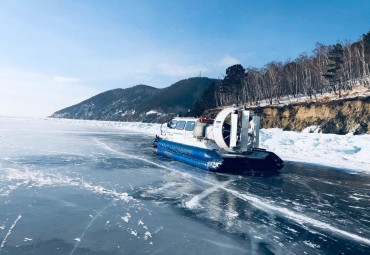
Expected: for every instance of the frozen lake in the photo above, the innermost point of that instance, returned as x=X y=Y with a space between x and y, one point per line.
x=68 y=188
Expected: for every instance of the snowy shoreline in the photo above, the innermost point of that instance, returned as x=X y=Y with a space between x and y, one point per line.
x=340 y=151
x=349 y=151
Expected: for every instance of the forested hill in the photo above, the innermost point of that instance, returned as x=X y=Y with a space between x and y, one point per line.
x=140 y=103
x=332 y=68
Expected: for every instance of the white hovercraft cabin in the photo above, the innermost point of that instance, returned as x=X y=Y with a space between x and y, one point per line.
x=215 y=144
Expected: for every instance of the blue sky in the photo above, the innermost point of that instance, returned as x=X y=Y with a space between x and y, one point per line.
x=57 y=53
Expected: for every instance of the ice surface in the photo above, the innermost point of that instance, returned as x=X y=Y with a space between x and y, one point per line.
x=256 y=201
x=96 y=187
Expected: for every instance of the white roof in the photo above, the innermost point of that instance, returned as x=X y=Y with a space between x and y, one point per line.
x=186 y=118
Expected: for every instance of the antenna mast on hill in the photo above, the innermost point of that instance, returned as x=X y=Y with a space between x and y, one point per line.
x=200 y=73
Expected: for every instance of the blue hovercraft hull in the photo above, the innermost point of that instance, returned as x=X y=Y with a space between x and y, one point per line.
x=210 y=160
x=198 y=157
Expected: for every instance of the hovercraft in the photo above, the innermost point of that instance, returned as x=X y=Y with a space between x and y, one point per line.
x=228 y=143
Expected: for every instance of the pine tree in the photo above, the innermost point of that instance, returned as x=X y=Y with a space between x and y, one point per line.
x=333 y=74
x=231 y=87
x=205 y=102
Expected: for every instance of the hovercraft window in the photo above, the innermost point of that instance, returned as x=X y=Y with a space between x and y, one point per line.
x=190 y=126
x=172 y=124
x=180 y=125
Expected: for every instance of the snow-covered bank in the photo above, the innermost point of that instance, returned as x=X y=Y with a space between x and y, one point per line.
x=342 y=151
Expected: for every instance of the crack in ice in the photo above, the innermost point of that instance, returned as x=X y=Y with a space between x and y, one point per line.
x=88 y=226
x=10 y=231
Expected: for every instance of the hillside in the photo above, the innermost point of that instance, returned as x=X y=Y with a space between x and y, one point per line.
x=113 y=104
x=139 y=103
x=178 y=98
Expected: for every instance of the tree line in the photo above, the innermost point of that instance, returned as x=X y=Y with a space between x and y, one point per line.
x=330 y=68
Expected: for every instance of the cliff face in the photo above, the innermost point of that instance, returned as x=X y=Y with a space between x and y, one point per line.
x=337 y=116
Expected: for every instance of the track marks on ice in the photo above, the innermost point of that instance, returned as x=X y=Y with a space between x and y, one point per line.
x=257 y=202
x=10 y=231
x=194 y=201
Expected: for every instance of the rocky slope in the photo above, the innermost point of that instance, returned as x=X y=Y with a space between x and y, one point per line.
x=339 y=116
